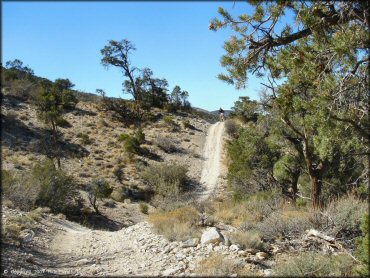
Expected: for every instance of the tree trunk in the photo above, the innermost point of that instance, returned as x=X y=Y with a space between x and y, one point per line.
x=315 y=173
x=294 y=185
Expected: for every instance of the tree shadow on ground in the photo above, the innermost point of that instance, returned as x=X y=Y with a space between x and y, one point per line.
x=99 y=222
x=21 y=137
x=81 y=112
x=151 y=155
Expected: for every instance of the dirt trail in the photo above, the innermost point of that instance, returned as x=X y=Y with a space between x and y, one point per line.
x=135 y=250
x=212 y=156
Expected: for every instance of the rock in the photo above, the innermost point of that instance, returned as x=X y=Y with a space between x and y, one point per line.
x=193 y=242
x=171 y=271
x=252 y=251
x=267 y=272
x=211 y=235
x=227 y=241
x=318 y=234
x=234 y=248
x=27 y=236
x=261 y=255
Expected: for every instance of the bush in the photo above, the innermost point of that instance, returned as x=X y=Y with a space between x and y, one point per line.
x=363 y=247
x=249 y=211
x=118 y=173
x=144 y=208
x=58 y=191
x=85 y=140
x=22 y=193
x=346 y=214
x=131 y=145
x=286 y=223
x=246 y=240
x=178 y=224
x=123 y=137
x=165 y=143
x=231 y=127
x=98 y=189
x=60 y=121
x=166 y=179
x=187 y=124
x=218 y=265
x=171 y=124
x=140 y=136
x=314 y=265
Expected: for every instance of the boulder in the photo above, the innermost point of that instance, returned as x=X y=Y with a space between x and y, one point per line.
x=211 y=235
x=193 y=242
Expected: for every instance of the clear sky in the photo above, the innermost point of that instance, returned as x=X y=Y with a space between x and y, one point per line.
x=63 y=40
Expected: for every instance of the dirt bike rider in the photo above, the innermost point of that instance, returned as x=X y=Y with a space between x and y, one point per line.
x=222 y=114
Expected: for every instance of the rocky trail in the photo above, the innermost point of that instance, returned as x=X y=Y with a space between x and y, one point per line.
x=136 y=250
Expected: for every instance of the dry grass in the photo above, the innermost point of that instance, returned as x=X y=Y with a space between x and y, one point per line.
x=178 y=224
x=218 y=265
x=248 y=239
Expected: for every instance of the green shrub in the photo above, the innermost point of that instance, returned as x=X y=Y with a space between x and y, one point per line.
x=186 y=124
x=171 y=124
x=58 y=191
x=144 y=208
x=363 y=247
x=140 y=136
x=60 y=121
x=131 y=145
x=314 y=265
x=168 y=120
x=123 y=137
x=166 y=179
x=85 y=140
x=98 y=189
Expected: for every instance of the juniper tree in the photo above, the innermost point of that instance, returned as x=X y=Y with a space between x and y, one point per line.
x=322 y=62
x=117 y=53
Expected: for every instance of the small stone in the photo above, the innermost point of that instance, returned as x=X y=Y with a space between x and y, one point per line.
x=252 y=251
x=261 y=255
x=234 y=248
x=171 y=271
x=193 y=242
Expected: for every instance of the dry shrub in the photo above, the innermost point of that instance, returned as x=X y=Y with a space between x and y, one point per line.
x=287 y=223
x=231 y=127
x=313 y=265
x=166 y=179
x=252 y=210
x=166 y=144
x=248 y=239
x=345 y=215
x=218 y=265
x=143 y=208
x=178 y=224
x=17 y=189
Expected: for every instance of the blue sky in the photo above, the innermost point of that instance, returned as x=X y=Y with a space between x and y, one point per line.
x=63 y=40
